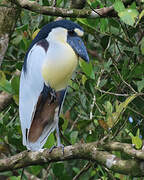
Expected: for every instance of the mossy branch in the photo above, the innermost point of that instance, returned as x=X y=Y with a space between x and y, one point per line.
x=8 y=18
x=55 y=11
x=89 y=151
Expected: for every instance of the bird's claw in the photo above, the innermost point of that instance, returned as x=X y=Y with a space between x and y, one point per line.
x=53 y=147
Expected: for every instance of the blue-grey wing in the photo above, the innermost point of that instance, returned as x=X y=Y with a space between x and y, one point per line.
x=38 y=109
x=31 y=85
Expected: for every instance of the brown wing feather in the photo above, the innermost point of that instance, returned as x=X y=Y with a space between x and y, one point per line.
x=44 y=115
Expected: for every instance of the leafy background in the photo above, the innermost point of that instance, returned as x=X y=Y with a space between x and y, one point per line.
x=105 y=97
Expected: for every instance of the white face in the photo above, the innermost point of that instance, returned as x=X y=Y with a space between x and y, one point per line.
x=60 y=34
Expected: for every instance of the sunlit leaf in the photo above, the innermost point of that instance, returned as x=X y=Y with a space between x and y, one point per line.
x=141 y=15
x=35 y=33
x=114 y=117
x=15 y=178
x=84 y=78
x=119 y=6
x=50 y=142
x=108 y=107
x=87 y=68
x=137 y=142
x=128 y=16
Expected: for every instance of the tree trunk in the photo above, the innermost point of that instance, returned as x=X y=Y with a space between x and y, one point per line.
x=9 y=14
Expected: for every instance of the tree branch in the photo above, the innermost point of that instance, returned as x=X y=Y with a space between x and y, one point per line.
x=8 y=20
x=87 y=151
x=54 y=11
x=126 y=148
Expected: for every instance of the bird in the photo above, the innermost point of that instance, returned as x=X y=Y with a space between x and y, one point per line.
x=48 y=66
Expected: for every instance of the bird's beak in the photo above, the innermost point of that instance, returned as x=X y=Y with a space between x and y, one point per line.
x=78 y=46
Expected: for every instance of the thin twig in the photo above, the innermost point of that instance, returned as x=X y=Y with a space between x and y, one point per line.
x=135 y=111
x=123 y=78
x=111 y=93
x=47 y=172
x=22 y=173
x=83 y=170
x=92 y=106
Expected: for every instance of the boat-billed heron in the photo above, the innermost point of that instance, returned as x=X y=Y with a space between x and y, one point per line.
x=48 y=66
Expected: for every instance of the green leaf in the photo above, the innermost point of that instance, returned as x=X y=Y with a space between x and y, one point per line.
x=50 y=142
x=35 y=169
x=22 y=28
x=16 y=99
x=65 y=124
x=128 y=16
x=87 y=68
x=141 y=15
x=102 y=83
x=15 y=178
x=142 y=46
x=115 y=116
x=5 y=85
x=140 y=85
x=138 y=132
x=73 y=136
x=91 y=23
x=104 y=41
x=15 y=84
x=83 y=124
x=108 y=107
x=124 y=104
x=107 y=65
x=137 y=142
x=17 y=39
x=103 y=25
x=58 y=169
x=83 y=79
x=118 y=6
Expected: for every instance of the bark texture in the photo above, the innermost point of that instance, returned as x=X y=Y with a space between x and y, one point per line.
x=90 y=151
x=8 y=18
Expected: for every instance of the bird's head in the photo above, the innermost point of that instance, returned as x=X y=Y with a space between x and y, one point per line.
x=66 y=31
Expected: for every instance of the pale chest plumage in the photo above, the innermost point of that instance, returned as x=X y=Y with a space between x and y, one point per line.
x=59 y=65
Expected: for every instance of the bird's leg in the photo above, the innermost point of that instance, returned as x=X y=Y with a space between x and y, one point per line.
x=58 y=141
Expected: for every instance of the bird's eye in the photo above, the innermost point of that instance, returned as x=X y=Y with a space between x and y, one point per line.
x=71 y=32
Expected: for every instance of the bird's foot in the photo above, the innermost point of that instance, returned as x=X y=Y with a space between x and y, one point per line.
x=53 y=147
x=42 y=150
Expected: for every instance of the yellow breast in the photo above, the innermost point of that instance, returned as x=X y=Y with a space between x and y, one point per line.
x=59 y=65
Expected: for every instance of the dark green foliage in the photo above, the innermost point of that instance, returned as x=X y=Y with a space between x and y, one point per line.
x=100 y=98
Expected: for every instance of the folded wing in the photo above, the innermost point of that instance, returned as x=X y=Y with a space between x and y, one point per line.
x=38 y=107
